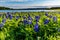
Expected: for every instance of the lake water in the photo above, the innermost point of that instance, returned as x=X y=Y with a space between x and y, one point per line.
x=29 y=10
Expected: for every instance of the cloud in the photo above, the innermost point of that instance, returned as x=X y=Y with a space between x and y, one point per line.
x=18 y=0
x=15 y=0
x=49 y=3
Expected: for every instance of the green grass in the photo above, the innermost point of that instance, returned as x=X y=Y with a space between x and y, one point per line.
x=16 y=30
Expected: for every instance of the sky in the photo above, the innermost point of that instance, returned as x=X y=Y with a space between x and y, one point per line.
x=28 y=3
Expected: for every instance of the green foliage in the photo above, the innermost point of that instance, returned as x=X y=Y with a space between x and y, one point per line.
x=16 y=30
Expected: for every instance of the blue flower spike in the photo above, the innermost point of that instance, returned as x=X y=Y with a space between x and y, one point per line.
x=29 y=22
x=46 y=21
x=1 y=25
x=10 y=16
x=8 y=13
x=4 y=20
x=46 y=14
x=50 y=16
x=37 y=18
x=6 y=16
x=36 y=27
x=25 y=21
x=24 y=17
x=54 y=19
x=17 y=17
x=29 y=18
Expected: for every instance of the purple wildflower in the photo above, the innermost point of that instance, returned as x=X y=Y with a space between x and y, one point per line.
x=36 y=27
x=46 y=14
x=25 y=21
x=46 y=21
x=17 y=17
x=6 y=16
x=30 y=22
x=37 y=18
x=24 y=17
x=1 y=25
x=50 y=16
x=8 y=13
x=54 y=19
x=29 y=18
x=4 y=20
x=10 y=16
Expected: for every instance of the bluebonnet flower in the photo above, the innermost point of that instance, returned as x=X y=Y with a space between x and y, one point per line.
x=8 y=13
x=4 y=20
x=37 y=18
x=36 y=27
x=6 y=16
x=1 y=25
x=29 y=18
x=46 y=14
x=25 y=21
x=29 y=22
x=24 y=17
x=17 y=17
x=54 y=19
x=46 y=21
x=10 y=16
x=50 y=16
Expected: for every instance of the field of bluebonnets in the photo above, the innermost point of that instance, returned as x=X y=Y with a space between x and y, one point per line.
x=30 y=26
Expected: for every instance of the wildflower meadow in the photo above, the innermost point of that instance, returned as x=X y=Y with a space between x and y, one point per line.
x=30 y=26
